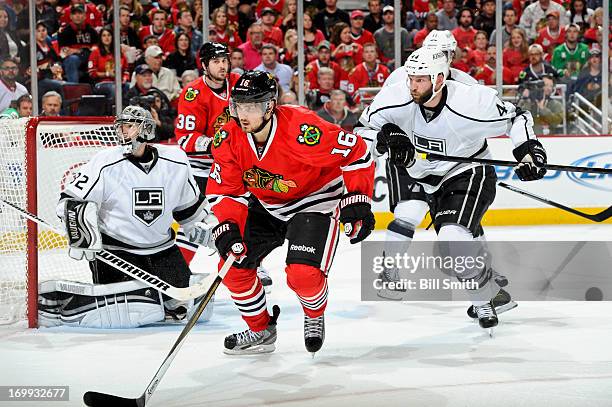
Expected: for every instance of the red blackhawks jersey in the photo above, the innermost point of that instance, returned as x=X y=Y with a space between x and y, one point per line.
x=362 y=77
x=304 y=167
x=201 y=111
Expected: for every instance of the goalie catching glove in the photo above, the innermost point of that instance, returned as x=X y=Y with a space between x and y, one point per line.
x=532 y=159
x=356 y=214
x=228 y=239
x=81 y=221
x=393 y=140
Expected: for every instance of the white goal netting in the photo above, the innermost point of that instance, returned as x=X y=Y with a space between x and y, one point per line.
x=37 y=158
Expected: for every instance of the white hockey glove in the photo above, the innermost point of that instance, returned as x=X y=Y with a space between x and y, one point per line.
x=200 y=232
x=81 y=221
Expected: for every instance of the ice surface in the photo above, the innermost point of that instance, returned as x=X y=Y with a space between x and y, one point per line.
x=375 y=353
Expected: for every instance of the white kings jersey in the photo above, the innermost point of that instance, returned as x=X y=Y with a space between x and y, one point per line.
x=137 y=202
x=400 y=75
x=465 y=118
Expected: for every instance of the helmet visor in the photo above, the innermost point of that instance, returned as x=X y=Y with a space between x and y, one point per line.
x=247 y=108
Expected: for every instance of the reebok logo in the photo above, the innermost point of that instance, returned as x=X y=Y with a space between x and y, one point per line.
x=302 y=248
x=447 y=212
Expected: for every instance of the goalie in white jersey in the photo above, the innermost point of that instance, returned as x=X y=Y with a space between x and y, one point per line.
x=451 y=118
x=124 y=200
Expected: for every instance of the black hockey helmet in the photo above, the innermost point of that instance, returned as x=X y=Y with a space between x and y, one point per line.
x=253 y=87
x=212 y=50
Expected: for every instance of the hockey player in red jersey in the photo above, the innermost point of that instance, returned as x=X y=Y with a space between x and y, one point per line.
x=281 y=172
x=202 y=111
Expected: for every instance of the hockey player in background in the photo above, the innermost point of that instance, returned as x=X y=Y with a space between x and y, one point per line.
x=407 y=198
x=451 y=118
x=281 y=172
x=202 y=110
x=124 y=200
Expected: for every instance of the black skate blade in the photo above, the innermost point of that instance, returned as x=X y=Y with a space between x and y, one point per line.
x=95 y=399
x=275 y=314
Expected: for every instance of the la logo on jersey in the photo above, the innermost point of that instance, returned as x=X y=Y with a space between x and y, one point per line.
x=147 y=204
x=429 y=144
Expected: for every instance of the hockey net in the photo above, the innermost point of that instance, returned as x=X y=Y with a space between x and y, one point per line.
x=38 y=157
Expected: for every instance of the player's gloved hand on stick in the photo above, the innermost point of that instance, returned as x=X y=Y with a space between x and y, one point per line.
x=228 y=239
x=356 y=214
x=532 y=158
x=392 y=139
x=203 y=144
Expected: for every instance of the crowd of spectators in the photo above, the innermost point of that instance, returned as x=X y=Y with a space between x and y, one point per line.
x=545 y=43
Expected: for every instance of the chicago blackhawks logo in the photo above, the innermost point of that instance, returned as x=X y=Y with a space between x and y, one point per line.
x=222 y=119
x=191 y=94
x=259 y=178
x=219 y=137
x=311 y=135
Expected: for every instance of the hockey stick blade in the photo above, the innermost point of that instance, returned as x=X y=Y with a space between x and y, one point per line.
x=96 y=399
x=596 y=217
x=183 y=294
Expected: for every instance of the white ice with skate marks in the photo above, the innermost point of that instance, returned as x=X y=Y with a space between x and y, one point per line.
x=375 y=353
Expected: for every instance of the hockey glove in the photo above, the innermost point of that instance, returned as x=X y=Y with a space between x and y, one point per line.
x=392 y=139
x=81 y=221
x=532 y=158
x=203 y=144
x=228 y=240
x=356 y=214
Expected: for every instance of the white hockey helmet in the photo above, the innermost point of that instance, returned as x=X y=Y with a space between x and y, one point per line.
x=442 y=40
x=428 y=61
x=145 y=126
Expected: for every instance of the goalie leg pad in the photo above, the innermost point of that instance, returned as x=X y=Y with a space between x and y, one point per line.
x=81 y=221
x=118 y=305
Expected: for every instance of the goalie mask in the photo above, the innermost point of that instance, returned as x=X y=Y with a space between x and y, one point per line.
x=134 y=126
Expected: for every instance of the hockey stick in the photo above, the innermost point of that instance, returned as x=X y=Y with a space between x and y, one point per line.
x=570 y=168
x=597 y=217
x=95 y=399
x=182 y=294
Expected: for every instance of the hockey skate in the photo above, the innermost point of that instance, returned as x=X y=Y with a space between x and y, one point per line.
x=252 y=343
x=487 y=318
x=502 y=303
x=314 y=333
x=265 y=278
x=387 y=276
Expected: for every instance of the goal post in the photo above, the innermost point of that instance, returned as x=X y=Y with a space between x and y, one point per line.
x=38 y=157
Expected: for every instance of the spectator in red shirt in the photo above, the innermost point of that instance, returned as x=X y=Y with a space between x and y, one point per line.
x=477 y=56
x=551 y=35
x=344 y=51
x=171 y=12
x=276 y=5
x=516 y=54
x=288 y=54
x=93 y=16
x=431 y=23
x=312 y=36
x=465 y=33
x=368 y=74
x=224 y=32
x=421 y=8
x=340 y=78
x=486 y=73
x=272 y=34
x=251 y=49
x=165 y=36
x=101 y=66
x=288 y=18
x=590 y=35
x=359 y=35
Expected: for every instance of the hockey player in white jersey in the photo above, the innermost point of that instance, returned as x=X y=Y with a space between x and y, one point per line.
x=124 y=200
x=451 y=118
x=407 y=200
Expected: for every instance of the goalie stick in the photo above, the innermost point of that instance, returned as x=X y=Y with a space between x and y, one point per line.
x=596 y=217
x=569 y=168
x=182 y=294
x=95 y=399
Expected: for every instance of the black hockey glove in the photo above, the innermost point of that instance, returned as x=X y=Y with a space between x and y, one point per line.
x=532 y=158
x=228 y=240
x=356 y=214
x=392 y=139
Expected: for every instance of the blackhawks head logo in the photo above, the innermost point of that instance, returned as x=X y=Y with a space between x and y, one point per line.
x=219 y=137
x=191 y=94
x=259 y=178
x=311 y=135
x=222 y=119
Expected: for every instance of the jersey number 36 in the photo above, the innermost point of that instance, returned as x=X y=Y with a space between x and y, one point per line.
x=186 y=122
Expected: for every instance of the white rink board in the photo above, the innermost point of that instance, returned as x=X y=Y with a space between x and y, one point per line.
x=571 y=189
